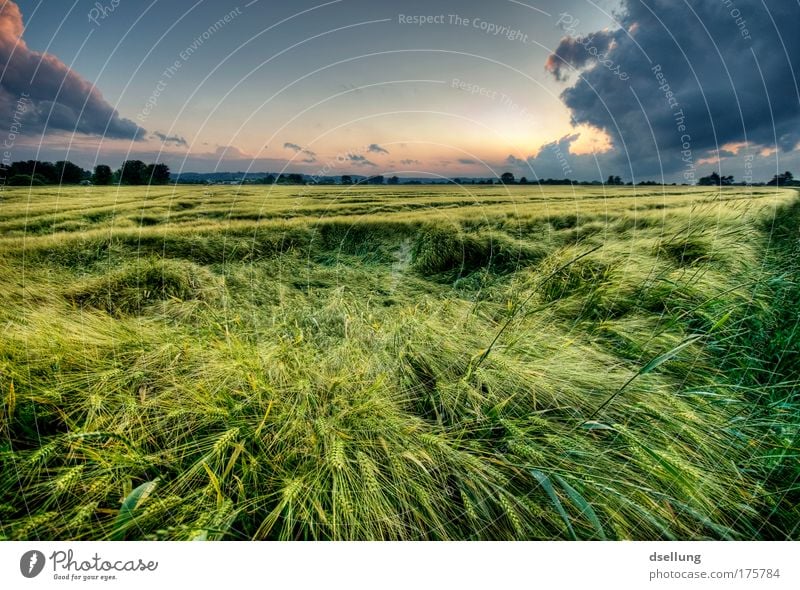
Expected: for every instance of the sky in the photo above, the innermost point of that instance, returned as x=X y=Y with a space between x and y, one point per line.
x=665 y=90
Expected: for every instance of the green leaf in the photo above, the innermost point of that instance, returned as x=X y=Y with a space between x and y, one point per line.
x=130 y=505
x=721 y=322
x=585 y=508
x=544 y=481
x=660 y=360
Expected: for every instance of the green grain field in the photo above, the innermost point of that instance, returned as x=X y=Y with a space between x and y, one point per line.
x=428 y=362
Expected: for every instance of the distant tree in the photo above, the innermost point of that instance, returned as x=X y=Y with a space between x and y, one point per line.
x=715 y=179
x=347 y=179
x=27 y=180
x=45 y=170
x=290 y=179
x=102 y=175
x=14 y=169
x=22 y=168
x=156 y=174
x=784 y=179
x=295 y=179
x=614 y=181
x=269 y=179
x=710 y=180
x=394 y=180
x=68 y=173
x=147 y=174
x=375 y=180
x=132 y=172
x=523 y=180
x=507 y=178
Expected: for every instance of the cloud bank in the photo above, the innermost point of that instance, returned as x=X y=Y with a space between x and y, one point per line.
x=59 y=98
x=699 y=76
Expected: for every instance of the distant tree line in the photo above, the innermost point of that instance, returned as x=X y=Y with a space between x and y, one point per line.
x=344 y=179
x=507 y=178
x=136 y=172
x=33 y=172
x=713 y=179
x=785 y=179
x=38 y=173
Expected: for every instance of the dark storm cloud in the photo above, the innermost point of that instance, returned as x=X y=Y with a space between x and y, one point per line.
x=59 y=99
x=554 y=160
x=576 y=52
x=707 y=74
x=467 y=161
x=176 y=140
x=376 y=149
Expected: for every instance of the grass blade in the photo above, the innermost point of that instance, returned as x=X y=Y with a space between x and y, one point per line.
x=130 y=505
x=547 y=485
x=518 y=308
x=648 y=368
x=660 y=360
x=584 y=506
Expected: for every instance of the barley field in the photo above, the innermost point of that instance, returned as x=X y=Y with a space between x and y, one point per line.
x=426 y=362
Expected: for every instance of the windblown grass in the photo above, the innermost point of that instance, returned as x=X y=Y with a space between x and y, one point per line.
x=391 y=363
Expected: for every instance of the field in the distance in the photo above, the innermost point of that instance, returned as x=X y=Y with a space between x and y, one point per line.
x=399 y=363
